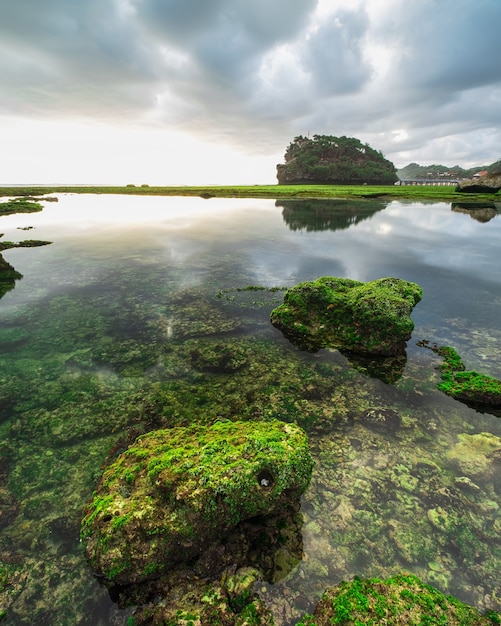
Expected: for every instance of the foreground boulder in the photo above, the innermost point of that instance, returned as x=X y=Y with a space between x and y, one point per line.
x=367 y=318
x=174 y=491
x=396 y=601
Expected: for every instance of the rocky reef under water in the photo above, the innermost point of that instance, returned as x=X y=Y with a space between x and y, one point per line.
x=393 y=489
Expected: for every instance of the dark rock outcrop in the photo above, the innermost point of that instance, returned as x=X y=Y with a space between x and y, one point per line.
x=8 y=276
x=484 y=184
x=381 y=419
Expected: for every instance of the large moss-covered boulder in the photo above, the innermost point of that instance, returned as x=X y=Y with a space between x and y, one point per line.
x=367 y=318
x=396 y=601
x=174 y=491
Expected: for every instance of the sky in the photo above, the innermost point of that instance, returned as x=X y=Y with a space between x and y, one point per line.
x=200 y=92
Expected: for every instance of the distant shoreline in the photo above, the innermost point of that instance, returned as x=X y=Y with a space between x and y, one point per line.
x=272 y=192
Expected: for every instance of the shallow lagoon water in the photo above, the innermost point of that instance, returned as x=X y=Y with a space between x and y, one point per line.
x=97 y=344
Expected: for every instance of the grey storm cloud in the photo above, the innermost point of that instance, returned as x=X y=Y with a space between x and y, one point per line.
x=260 y=68
x=449 y=46
x=334 y=55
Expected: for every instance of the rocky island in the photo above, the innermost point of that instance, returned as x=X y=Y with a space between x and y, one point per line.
x=328 y=160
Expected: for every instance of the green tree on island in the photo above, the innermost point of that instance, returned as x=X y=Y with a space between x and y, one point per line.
x=325 y=159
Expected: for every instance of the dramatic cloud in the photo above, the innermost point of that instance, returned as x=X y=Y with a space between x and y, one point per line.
x=420 y=81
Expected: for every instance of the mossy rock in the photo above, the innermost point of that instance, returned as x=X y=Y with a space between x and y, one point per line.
x=473 y=389
x=174 y=491
x=399 y=600
x=8 y=276
x=19 y=205
x=366 y=318
x=27 y=243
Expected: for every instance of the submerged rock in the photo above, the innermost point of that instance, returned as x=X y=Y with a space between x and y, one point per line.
x=381 y=419
x=173 y=491
x=219 y=357
x=478 y=456
x=367 y=318
x=402 y=599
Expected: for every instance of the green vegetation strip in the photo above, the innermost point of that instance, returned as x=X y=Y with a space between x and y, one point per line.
x=397 y=192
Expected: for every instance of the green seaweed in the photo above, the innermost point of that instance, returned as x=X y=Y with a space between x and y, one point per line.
x=401 y=599
x=470 y=387
x=27 y=243
x=19 y=205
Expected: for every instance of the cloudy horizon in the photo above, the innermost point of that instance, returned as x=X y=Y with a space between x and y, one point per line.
x=212 y=91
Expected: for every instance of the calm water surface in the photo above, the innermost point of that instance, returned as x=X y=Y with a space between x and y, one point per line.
x=96 y=345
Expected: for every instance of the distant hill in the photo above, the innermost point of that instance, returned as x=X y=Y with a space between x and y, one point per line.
x=414 y=171
x=495 y=168
x=324 y=159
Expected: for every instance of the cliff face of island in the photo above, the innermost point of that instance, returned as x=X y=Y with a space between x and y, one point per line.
x=329 y=160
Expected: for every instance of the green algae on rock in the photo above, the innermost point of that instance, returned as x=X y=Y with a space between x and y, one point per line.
x=366 y=318
x=8 y=276
x=19 y=205
x=27 y=243
x=399 y=600
x=173 y=491
x=474 y=389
